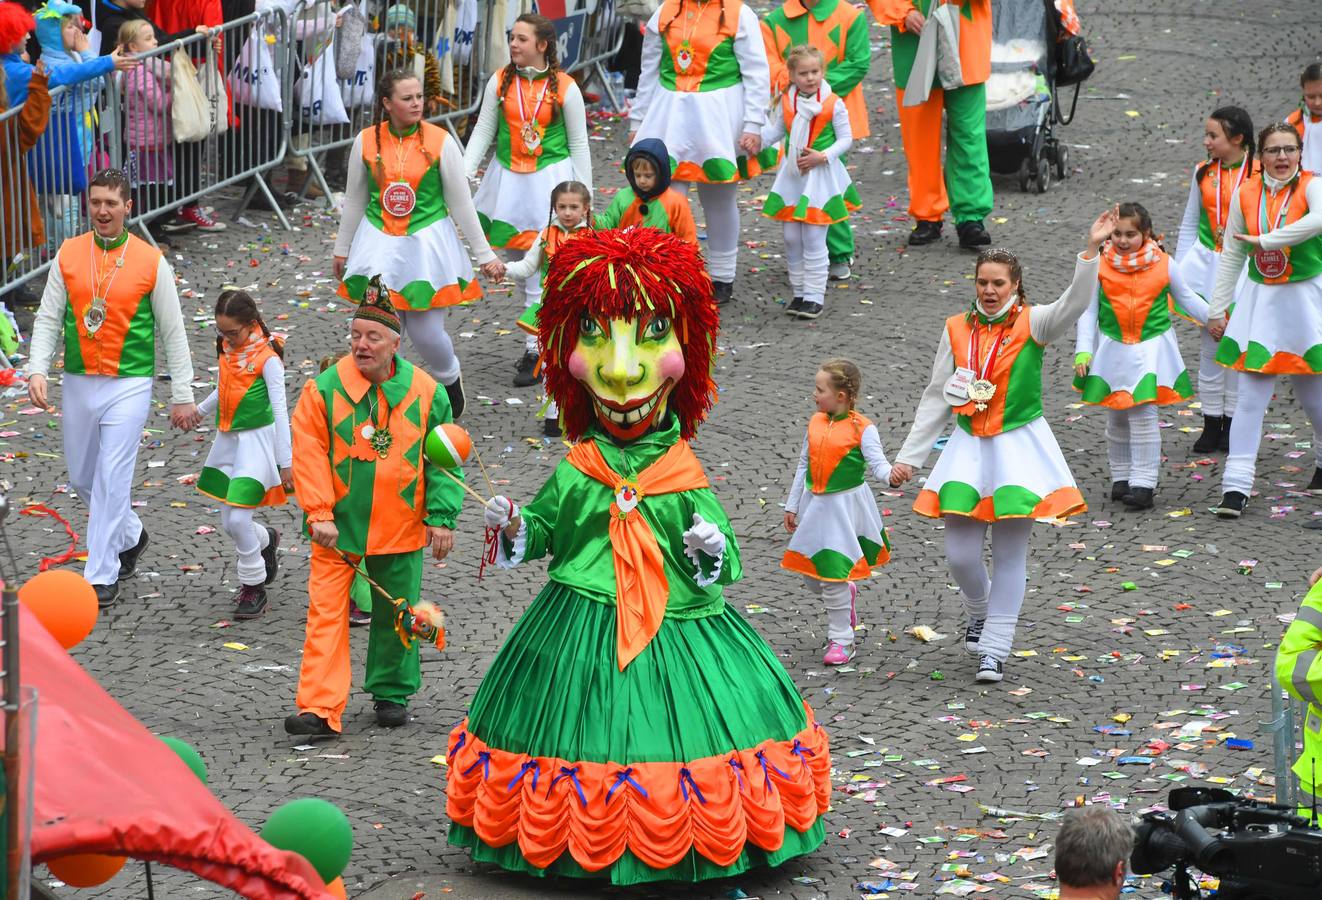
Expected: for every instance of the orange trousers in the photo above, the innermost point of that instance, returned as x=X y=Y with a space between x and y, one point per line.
x=393 y=672
x=963 y=185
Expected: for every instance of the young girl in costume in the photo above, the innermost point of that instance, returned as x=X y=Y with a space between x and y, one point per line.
x=534 y=115
x=1126 y=356
x=812 y=189
x=1276 y=222
x=1001 y=467
x=249 y=465
x=837 y=533
x=571 y=211
x=704 y=90
x=1228 y=140
x=649 y=199
x=1307 y=119
x=405 y=194
x=634 y=727
x=148 y=127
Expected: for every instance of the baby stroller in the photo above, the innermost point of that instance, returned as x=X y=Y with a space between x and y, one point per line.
x=1022 y=105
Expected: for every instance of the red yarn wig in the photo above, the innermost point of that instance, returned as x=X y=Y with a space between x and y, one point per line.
x=627 y=274
x=16 y=23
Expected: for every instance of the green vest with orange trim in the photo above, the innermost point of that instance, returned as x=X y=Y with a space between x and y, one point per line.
x=1017 y=372
x=698 y=53
x=1216 y=189
x=835 y=453
x=821 y=133
x=125 y=344
x=1134 y=306
x=421 y=158
x=242 y=400
x=550 y=119
x=1303 y=260
x=839 y=30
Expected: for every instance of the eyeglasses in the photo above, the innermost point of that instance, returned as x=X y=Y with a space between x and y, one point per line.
x=1283 y=150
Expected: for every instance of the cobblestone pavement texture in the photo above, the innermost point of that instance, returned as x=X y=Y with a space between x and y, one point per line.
x=1120 y=629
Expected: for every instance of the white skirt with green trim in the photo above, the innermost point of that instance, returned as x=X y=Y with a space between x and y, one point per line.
x=821 y=196
x=1124 y=375
x=429 y=268
x=1276 y=329
x=514 y=206
x=241 y=470
x=701 y=130
x=840 y=536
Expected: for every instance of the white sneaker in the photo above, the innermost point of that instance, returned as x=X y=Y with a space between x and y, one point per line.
x=839 y=271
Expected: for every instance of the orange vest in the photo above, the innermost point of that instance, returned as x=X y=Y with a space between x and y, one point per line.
x=714 y=24
x=241 y=403
x=125 y=344
x=430 y=204
x=1303 y=260
x=1217 y=188
x=835 y=462
x=820 y=122
x=1017 y=372
x=1134 y=306
x=520 y=160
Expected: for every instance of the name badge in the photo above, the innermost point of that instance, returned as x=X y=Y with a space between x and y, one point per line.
x=957 y=386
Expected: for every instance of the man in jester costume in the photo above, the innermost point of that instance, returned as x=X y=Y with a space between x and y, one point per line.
x=633 y=728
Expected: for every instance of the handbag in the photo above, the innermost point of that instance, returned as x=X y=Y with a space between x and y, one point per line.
x=189 y=111
x=213 y=88
x=358 y=90
x=348 y=38
x=253 y=81
x=1074 y=64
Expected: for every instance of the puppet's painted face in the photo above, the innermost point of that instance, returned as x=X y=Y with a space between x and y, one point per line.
x=629 y=368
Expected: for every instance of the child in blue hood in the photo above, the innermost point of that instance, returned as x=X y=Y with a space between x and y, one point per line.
x=649 y=199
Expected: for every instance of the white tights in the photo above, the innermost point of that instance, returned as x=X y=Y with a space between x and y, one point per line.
x=1133 y=445
x=1218 y=387
x=805 y=252
x=1255 y=393
x=426 y=332
x=998 y=597
x=835 y=597
x=720 y=209
x=250 y=539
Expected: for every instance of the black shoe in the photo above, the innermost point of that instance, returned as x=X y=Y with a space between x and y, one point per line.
x=724 y=291
x=1119 y=489
x=973 y=634
x=551 y=428
x=810 y=310
x=128 y=560
x=106 y=594
x=1223 y=443
x=792 y=308
x=269 y=554
x=358 y=617
x=972 y=235
x=251 y=603
x=925 y=233
x=391 y=714
x=457 y=399
x=1210 y=439
x=1138 y=498
x=523 y=372
x=1232 y=505
x=1316 y=483
x=990 y=670
x=309 y=724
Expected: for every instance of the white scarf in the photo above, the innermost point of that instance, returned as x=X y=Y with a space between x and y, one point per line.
x=807 y=107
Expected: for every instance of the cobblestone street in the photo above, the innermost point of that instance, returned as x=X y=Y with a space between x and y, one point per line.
x=1140 y=630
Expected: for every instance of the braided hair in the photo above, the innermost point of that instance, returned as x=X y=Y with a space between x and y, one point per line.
x=242 y=308
x=1236 y=123
x=385 y=90
x=543 y=32
x=680 y=8
x=571 y=187
x=1011 y=262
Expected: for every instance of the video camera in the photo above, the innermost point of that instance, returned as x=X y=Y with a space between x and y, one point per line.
x=1259 y=851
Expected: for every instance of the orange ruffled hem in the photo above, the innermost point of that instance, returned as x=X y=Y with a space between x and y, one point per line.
x=658 y=811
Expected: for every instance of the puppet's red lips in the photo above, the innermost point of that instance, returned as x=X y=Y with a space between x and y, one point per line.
x=628 y=414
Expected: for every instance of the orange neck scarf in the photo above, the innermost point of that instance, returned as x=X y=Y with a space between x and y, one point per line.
x=641 y=588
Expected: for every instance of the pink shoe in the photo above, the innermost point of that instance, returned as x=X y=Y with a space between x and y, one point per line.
x=837 y=654
x=853 y=605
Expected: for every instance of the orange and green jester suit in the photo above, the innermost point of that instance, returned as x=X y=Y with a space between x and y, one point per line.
x=382 y=501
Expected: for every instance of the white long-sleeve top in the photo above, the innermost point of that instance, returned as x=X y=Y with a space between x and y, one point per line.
x=1235 y=253
x=749 y=50
x=873 y=455
x=454 y=183
x=1046 y=323
x=1085 y=338
x=273 y=373
x=531 y=263
x=572 y=113
x=48 y=326
x=774 y=131
x=1188 y=233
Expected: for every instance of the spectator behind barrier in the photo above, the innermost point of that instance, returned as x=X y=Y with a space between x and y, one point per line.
x=1092 y=853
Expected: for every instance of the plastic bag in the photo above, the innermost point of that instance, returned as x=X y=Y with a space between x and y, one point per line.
x=189 y=110
x=253 y=81
x=359 y=89
x=213 y=88
x=318 y=91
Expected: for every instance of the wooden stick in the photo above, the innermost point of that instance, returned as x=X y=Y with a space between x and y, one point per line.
x=463 y=484
x=491 y=487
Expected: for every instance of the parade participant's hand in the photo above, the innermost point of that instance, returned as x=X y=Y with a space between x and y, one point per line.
x=914 y=22
x=502 y=512
x=124 y=61
x=791 y=521
x=900 y=473
x=1252 y=239
x=750 y=142
x=184 y=416
x=1082 y=362
x=704 y=536
x=441 y=540
x=323 y=534
x=1217 y=327
x=1100 y=230
x=287 y=478
x=494 y=270
x=811 y=159
x=340 y=262
x=1312 y=579
x=37 y=387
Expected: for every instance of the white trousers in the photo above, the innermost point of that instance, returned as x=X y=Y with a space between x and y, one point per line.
x=426 y=332
x=250 y=539
x=720 y=210
x=1133 y=445
x=1255 y=393
x=103 y=421
x=809 y=264
x=1218 y=387
x=835 y=597
x=995 y=598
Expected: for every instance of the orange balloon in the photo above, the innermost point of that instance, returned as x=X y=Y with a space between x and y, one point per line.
x=336 y=889
x=63 y=602
x=86 y=869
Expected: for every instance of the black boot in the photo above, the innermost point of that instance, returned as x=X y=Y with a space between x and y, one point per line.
x=924 y=233
x=1316 y=483
x=1210 y=439
x=1119 y=489
x=1138 y=498
x=1223 y=443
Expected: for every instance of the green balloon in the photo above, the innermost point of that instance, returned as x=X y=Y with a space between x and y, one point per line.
x=191 y=757
x=314 y=829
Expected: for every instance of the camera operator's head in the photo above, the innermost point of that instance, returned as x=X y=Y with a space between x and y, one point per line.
x=1092 y=851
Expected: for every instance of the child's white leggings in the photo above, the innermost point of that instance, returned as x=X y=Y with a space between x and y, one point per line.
x=1218 y=387
x=1133 y=445
x=835 y=597
x=720 y=209
x=805 y=251
x=250 y=539
x=996 y=598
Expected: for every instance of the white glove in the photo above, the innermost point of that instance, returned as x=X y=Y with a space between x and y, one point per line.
x=500 y=511
x=704 y=536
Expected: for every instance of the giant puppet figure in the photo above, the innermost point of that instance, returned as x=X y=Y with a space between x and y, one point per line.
x=633 y=728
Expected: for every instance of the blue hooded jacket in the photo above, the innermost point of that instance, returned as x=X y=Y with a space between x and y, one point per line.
x=653 y=150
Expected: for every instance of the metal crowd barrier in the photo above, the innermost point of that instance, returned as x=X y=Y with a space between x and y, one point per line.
x=601 y=42
x=1286 y=728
